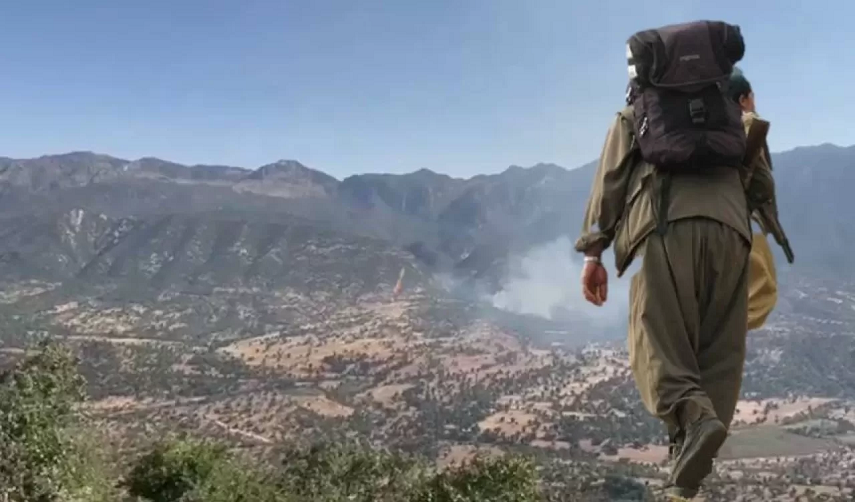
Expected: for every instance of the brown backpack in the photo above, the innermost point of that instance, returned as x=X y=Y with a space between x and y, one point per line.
x=679 y=77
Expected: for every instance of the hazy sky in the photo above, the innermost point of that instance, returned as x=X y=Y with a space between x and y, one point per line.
x=347 y=86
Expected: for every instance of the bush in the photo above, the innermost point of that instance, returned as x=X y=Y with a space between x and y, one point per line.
x=349 y=472
x=48 y=453
x=193 y=471
x=189 y=470
x=173 y=469
x=90 y=473
x=503 y=479
x=37 y=404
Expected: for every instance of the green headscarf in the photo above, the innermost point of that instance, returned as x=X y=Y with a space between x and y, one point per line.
x=739 y=85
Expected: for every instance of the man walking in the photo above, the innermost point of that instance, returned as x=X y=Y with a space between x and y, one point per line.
x=682 y=208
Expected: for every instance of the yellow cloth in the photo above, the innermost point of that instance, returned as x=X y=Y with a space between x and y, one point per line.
x=762 y=282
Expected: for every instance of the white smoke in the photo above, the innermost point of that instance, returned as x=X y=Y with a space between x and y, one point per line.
x=546 y=281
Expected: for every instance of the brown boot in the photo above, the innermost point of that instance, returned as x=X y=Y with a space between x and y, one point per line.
x=675 y=494
x=675 y=444
x=694 y=460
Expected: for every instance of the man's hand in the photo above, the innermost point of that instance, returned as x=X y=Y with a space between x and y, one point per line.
x=595 y=282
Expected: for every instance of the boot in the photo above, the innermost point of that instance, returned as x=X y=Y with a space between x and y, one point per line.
x=675 y=444
x=675 y=494
x=694 y=460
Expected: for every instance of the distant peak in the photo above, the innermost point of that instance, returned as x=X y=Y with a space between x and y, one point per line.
x=284 y=166
x=77 y=155
x=429 y=174
x=825 y=148
x=540 y=166
x=289 y=164
x=540 y=169
x=290 y=169
x=547 y=165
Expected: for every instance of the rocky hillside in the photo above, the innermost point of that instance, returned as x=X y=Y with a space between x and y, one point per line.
x=471 y=224
x=444 y=221
x=281 y=303
x=154 y=225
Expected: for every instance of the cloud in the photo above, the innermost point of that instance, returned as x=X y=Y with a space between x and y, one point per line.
x=545 y=281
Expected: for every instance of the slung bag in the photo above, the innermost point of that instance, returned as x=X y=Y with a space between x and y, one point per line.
x=762 y=282
x=679 y=77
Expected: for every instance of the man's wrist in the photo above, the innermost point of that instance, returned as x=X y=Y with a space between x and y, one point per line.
x=594 y=252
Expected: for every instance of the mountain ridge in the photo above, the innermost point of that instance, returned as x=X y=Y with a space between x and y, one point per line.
x=826 y=146
x=469 y=226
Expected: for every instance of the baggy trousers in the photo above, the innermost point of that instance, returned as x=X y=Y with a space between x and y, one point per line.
x=688 y=321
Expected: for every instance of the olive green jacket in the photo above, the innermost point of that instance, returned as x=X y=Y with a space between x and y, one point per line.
x=623 y=204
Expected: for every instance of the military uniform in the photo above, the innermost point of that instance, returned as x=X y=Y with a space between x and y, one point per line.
x=688 y=301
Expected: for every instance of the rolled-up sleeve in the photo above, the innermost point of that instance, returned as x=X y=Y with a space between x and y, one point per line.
x=608 y=193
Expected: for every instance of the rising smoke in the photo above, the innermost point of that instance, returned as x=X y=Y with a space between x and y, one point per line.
x=545 y=281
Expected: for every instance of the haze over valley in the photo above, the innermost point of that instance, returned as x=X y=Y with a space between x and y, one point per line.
x=426 y=313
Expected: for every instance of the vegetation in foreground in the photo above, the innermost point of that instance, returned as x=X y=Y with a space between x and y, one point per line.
x=49 y=453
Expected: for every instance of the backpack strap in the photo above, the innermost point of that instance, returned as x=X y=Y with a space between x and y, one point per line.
x=664 y=192
x=628 y=114
x=661 y=178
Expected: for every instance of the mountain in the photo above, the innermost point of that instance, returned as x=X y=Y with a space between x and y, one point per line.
x=488 y=217
x=465 y=223
x=470 y=226
x=54 y=172
x=91 y=224
x=288 y=179
x=813 y=186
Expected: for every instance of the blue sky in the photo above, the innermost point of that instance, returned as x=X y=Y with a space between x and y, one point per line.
x=345 y=86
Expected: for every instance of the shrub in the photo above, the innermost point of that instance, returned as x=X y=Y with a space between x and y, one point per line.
x=37 y=404
x=194 y=471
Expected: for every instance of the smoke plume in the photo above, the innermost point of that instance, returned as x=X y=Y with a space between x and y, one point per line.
x=545 y=281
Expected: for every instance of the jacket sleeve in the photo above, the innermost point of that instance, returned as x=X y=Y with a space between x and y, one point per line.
x=608 y=193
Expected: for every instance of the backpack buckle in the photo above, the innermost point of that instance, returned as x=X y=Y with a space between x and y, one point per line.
x=697 y=111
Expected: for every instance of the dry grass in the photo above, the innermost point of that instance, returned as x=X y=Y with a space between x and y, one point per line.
x=551 y=445
x=748 y=412
x=304 y=355
x=385 y=394
x=323 y=406
x=651 y=454
x=508 y=423
x=770 y=442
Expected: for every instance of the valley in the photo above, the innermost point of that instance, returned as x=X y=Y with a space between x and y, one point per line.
x=280 y=306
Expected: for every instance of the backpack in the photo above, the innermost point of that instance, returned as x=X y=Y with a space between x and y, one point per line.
x=683 y=117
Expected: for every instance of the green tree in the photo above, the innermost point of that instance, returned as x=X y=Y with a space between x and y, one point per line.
x=189 y=470
x=91 y=471
x=501 y=479
x=173 y=469
x=332 y=472
x=37 y=405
